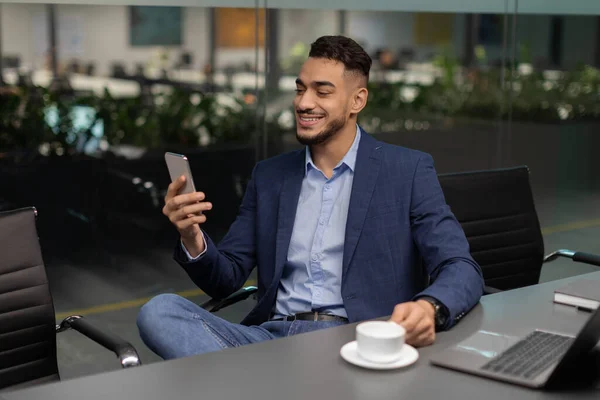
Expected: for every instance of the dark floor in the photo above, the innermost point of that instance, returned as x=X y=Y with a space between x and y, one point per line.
x=110 y=289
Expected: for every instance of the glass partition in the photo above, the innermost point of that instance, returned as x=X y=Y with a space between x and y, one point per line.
x=553 y=125
x=435 y=85
x=95 y=94
x=92 y=96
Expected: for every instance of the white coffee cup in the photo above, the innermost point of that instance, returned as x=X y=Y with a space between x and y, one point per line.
x=380 y=341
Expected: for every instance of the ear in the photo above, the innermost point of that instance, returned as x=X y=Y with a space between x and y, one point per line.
x=359 y=100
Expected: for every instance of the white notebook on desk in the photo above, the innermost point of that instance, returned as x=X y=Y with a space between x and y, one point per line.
x=584 y=293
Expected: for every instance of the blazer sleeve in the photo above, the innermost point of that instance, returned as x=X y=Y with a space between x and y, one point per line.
x=223 y=269
x=457 y=280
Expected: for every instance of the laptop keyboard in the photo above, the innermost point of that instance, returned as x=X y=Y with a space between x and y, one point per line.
x=531 y=355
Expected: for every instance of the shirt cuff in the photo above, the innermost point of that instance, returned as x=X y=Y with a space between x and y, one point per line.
x=189 y=256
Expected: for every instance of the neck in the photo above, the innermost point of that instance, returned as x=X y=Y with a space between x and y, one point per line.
x=327 y=155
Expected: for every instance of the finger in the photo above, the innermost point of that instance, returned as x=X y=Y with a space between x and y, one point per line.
x=423 y=333
x=426 y=325
x=183 y=200
x=192 y=209
x=174 y=188
x=186 y=223
x=424 y=339
x=413 y=319
x=400 y=313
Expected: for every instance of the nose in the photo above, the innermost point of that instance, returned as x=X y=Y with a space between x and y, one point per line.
x=305 y=101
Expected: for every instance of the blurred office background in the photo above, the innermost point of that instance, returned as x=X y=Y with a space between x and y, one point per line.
x=91 y=96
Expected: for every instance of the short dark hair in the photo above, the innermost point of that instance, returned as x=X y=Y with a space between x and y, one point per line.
x=345 y=50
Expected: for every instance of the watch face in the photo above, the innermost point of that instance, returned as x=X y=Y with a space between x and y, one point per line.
x=439 y=312
x=440 y=319
x=443 y=317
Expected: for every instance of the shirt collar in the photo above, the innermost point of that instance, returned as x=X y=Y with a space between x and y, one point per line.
x=349 y=159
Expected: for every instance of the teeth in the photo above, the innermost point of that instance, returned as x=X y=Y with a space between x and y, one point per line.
x=310 y=119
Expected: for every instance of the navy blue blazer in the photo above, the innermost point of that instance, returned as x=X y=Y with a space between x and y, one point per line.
x=400 y=234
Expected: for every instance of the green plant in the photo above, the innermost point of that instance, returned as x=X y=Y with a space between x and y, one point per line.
x=36 y=119
x=126 y=120
x=478 y=94
x=180 y=118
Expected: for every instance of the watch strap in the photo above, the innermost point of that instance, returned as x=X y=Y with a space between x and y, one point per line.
x=441 y=311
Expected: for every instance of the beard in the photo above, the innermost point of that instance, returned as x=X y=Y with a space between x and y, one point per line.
x=327 y=133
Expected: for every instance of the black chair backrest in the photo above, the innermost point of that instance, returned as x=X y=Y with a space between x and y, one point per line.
x=27 y=320
x=497 y=213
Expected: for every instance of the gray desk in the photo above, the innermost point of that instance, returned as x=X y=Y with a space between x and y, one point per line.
x=309 y=366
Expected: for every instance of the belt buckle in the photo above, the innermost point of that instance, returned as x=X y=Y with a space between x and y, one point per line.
x=316 y=316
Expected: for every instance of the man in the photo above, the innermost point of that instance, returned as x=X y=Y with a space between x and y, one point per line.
x=347 y=229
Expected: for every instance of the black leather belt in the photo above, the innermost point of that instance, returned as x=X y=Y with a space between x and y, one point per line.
x=312 y=316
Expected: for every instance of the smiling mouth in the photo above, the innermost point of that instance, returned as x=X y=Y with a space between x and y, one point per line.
x=308 y=120
x=310 y=116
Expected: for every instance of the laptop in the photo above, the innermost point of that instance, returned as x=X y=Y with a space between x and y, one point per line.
x=537 y=360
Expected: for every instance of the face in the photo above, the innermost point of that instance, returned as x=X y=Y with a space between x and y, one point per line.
x=323 y=101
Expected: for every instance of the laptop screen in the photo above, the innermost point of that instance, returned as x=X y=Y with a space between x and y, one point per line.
x=585 y=341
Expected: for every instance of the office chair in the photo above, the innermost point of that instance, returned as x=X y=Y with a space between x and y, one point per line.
x=27 y=320
x=497 y=213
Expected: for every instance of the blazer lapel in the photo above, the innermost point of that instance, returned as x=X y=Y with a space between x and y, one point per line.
x=365 y=177
x=288 y=202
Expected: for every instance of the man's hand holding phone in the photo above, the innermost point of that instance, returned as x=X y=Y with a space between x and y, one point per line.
x=185 y=211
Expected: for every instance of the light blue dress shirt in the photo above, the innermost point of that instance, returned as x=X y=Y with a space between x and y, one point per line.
x=312 y=275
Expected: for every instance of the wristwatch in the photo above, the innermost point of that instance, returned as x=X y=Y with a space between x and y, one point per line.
x=440 y=311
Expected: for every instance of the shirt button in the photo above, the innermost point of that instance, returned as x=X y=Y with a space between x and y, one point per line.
x=327 y=187
x=321 y=221
x=315 y=257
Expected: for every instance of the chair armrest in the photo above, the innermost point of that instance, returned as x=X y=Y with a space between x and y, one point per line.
x=127 y=354
x=578 y=256
x=490 y=290
x=214 y=305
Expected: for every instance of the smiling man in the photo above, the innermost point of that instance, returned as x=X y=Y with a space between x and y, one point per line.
x=347 y=229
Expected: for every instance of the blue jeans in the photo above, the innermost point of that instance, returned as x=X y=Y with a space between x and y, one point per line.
x=174 y=327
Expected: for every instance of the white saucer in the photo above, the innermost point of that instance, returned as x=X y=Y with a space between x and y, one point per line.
x=408 y=357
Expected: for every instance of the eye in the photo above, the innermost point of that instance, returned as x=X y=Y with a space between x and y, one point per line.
x=323 y=93
x=299 y=91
